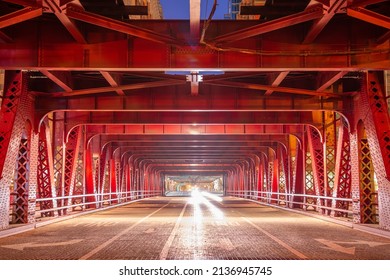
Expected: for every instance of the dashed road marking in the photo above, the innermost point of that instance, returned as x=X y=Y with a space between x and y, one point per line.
x=280 y=242
x=108 y=242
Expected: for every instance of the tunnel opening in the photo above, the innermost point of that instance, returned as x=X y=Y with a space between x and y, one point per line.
x=185 y=184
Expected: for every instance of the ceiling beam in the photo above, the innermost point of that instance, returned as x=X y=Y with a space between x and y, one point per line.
x=105 y=22
x=314 y=12
x=20 y=16
x=279 y=89
x=91 y=91
x=112 y=81
x=277 y=81
x=56 y=80
x=363 y=3
x=383 y=38
x=5 y=38
x=319 y=24
x=65 y=20
x=327 y=79
x=25 y=3
x=369 y=16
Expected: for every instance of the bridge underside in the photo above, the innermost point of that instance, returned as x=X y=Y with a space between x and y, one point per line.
x=289 y=110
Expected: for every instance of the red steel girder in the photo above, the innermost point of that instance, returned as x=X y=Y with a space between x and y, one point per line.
x=120 y=88
x=113 y=81
x=25 y=3
x=227 y=99
x=319 y=24
x=5 y=38
x=277 y=81
x=8 y=110
x=56 y=80
x=210 y=129
x=380 y=111
x=369 y=16
x=311 y=13
x=76 y=13
x=65 y=20
x=363 y=3
x=35 y=49
x=326 y=79
x=272 y=88
x=20 y=16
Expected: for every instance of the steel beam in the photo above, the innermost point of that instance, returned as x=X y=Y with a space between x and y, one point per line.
x=328 y=79
x=112 y=81
x=319 y=24
x=105 y=22
x=369 y=16
x=20 y=16
x=273 y=88
x=54 y=6
x=56 y=80
x=276 y=51
x=91 y=91
x=277 y=81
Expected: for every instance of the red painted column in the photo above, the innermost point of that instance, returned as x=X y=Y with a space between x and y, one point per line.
x=45 y=174
x=16 y=120
x=317 y=157
x=89 y=179
x=113 y=181
x=298 y=186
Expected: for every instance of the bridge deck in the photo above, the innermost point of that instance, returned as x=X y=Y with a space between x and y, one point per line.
x=194 y=228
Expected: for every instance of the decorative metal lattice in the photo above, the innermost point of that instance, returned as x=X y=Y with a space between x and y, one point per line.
x=44 y=176
x=368 y=205
x=20 y=203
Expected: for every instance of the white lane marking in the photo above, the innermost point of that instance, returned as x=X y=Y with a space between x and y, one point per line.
x=108 y=242
x=334 y=245
x=280 y=242
x=331 y=245
x=22 y=246
x=168 y=244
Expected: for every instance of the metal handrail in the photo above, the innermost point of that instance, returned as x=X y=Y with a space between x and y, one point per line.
x=255 y=194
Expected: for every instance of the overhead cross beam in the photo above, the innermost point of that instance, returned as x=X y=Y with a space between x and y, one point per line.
x=369 y=16
x=65 y=20
x=98 y=20
x=328 y=79
x=91 y=91
x=272 y=88
x=20 y=16
x=319 y=24
x=56 y=80
x=277 y=81
x=112 y=81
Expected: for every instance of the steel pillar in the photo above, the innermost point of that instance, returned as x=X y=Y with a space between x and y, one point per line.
x=18 y=144
x=370 y=111
x=317 y=160
x=342 y=180
x=46 y=188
